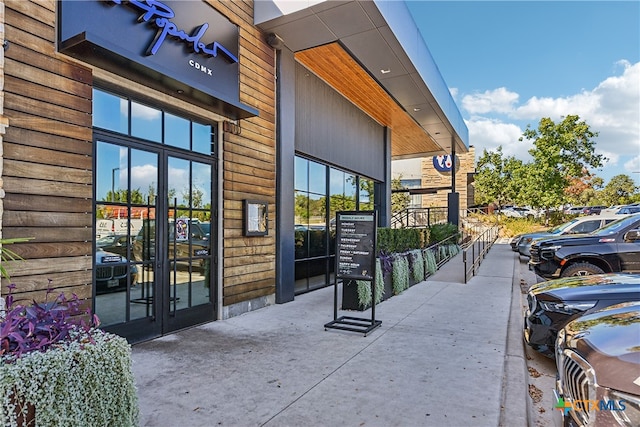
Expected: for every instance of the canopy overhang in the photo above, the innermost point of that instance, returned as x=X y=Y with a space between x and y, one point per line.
x=373 y=54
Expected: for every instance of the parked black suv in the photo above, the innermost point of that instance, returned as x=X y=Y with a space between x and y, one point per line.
x=613 y=248
x=186 y=241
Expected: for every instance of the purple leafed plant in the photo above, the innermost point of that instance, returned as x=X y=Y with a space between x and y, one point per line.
x=386 y=262
x=41 y=325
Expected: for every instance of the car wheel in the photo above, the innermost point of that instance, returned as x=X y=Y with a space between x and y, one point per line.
x=582 y=269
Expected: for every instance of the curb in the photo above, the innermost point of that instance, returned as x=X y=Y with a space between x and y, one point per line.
x=513 y=409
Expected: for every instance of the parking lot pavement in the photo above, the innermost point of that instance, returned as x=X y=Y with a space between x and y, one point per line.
x=541 y=369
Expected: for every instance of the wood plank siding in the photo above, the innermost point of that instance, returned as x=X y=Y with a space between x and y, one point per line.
x=249 y=165
x=47 y=173
x=47 y=170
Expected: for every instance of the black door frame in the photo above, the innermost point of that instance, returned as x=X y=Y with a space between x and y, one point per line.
x=161 y=321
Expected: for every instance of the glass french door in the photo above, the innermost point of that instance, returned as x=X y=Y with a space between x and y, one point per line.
x=153 y=263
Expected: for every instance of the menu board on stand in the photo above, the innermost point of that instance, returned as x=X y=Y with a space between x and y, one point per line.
x=356 y=236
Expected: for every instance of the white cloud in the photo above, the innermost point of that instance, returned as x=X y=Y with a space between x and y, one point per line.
x=489 y=134
x=498 y=100
x=633 y=165
x=612 y=109
x=143 y=176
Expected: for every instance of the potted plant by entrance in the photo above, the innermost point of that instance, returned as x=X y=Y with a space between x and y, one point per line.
x=58 y=369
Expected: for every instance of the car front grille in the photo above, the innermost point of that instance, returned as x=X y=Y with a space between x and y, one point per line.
x=111 y=272
x=578 y=386
x=535 y=254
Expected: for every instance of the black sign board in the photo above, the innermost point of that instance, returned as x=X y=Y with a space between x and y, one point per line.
x=184 y=48
x=356 y=245
x=355 y=260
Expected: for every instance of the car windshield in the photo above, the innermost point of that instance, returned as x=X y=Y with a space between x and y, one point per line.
x=616 y=226
x=560 y=228
x=206 y=227
x=105 y=241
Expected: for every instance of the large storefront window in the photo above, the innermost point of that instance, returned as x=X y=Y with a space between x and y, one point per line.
x=320 y=192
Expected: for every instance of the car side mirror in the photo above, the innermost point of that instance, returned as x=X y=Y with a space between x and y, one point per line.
x=632 y=235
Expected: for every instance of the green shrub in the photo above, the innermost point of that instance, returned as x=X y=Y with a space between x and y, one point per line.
x=398 y=240
x=431 y=266
x=400 y=274
x=364 y=287
x=440 y=232
x=417 y=265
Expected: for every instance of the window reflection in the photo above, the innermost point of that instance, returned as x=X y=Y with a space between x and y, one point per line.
x=176 y=131
x=202 y=138
x=314 y=218
x=317 y=178
x=146 y=122
x=366 y=194
x=301 y=224
x=301 y=173
x=110 y=112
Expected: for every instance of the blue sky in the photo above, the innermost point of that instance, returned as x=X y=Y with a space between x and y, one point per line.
x=510 y=63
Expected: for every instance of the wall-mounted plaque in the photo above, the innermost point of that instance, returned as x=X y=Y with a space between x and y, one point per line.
x=256 y=218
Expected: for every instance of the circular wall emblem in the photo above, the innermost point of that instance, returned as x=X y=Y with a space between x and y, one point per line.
x=443 y=163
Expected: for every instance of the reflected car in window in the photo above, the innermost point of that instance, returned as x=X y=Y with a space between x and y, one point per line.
x=192 y=242
x=113 y=272
x=116 y=243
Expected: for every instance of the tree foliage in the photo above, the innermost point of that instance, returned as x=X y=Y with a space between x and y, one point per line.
x=491 y=178
x=399 y=200
x=562 y=155
x=619 y=190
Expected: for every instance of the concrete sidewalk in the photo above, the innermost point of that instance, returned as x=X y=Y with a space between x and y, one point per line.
x=443 y=356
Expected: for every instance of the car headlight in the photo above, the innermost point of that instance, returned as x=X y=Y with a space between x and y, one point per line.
x=552 y=248
x=566 y=307
x=559 y=346
x=625 y=407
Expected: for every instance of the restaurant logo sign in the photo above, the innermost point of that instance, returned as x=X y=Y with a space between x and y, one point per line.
x=444 y=163
x=160 y=15
x=178 y=47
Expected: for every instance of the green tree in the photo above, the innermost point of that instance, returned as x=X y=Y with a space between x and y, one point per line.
x=399 y=200
x=494 y=173
x=619 y=190
x=122 y=196
x=562 y=152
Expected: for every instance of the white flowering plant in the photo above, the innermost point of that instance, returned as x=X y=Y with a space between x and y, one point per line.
x=58 y=369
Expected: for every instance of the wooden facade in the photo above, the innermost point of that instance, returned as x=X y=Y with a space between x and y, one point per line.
x=47 y=173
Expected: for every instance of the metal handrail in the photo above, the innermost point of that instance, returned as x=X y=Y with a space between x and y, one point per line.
x=478 y=247
x=419 y=217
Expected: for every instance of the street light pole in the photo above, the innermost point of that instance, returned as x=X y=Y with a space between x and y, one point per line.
x=113 y=181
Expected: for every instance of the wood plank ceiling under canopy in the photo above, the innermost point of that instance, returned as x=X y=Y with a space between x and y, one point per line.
x=338 y=69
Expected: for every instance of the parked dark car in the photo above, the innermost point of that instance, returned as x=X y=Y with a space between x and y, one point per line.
x=552 y=304
x=111 y=272
x=598 y=360
x=116 y=243
x=611 y=249
x=579 y=225
x=625 y=210
x=593 y=210
x=191 y=243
